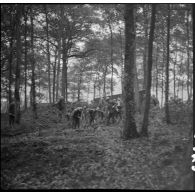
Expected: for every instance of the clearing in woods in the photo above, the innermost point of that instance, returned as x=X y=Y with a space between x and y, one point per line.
x=94 y=158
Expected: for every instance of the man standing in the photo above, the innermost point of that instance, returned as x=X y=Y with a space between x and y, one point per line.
x=12 y=114
x=60 y=106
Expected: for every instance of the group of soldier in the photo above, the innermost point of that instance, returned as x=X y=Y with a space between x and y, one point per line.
x=107 y=111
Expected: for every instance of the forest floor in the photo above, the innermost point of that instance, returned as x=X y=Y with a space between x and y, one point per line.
x=94 y=158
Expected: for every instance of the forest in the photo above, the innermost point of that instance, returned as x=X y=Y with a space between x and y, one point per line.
x=97 y=96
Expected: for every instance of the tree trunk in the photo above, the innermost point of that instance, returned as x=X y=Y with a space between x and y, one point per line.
x=48 y=53
x=145 y=45
x=167 y=70
x=58 y=68
x=111 y=57
x=144 y=130
x=79 y=87
x=129 y=130
x=157 y=72
x=11 y=58
x=25 y=60
x=188 y=58
x=18 y=63
x=54 y=76
x=104 y=79
x=122 y=60
x=174 y=74
x=63 y=70
x=33 y=90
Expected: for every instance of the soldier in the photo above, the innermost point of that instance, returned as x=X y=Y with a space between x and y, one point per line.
x=60 y=106
x=12 y=114
x=84 y=116
x=92 y=113
x=76 y=115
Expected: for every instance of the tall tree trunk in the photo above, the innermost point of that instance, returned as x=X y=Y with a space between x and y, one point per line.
x=174 y=73
x=162 y=89
x=188 y=54
x=136 y=84
x=121 y=59
x=145 y=44
x=167 y=70
x=58 y=68
x=54 y=76
x=25 y=59
x=79 y=87
x=182 y=86
x=111 y=57
x=33 y=90
x=157 y=71
x=48 y=53
x=63 y=70
x=129 y=130
x=144 y=130
x=18 y=63
x=11 y=58
x=104 y=84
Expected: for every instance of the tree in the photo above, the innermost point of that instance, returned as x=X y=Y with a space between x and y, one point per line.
x=129 y=130
x=19 y=10
x=48 y=52
x=33 y=89
x=144 y=130
x=167 y=70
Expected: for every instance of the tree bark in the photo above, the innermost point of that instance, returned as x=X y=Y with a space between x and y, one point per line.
x=111 y=56
x=58 y=68
x=48 y=53
x=54 y=76
x=174 y=74
x=188 y=58
x=18 y=63
x=129 y=130
x=167 y=116
x=25 y=59
x=144 y=130
x=33 y=89
x=157 y=72
x=145 y=45
x=11 y=58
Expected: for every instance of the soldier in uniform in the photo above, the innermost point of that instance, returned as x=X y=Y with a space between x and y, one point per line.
x=76 y=116
x=12 y=114
x=60 y=106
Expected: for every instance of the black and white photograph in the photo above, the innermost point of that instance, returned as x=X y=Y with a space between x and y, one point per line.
x=97 y=96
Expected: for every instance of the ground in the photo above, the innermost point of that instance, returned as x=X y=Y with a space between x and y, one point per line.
x=96 y=158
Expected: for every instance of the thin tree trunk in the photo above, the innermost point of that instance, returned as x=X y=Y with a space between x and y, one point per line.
x=25 y=61
x=167 y=70
x=58 y=68
x=145 y=44
x=33 y=90
x=174 y=74
x=188 y=54
x=54 y=76
x=48 y=53
x=111 y=57
x=79 y=86
x=18 y=63
x=162 y=89
x=129 y=130
x=144 y=130
x=11 y=58
x=157 y=72
x=122 y=60
x=104 y=85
